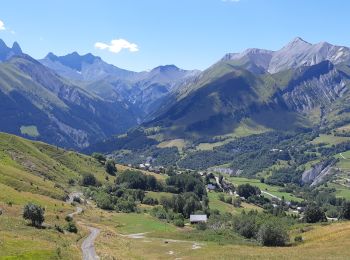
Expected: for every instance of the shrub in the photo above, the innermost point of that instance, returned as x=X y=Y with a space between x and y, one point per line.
x=298 y=239
x=221 y=197
x=77 y=199
x=272 y=234
x=228 y=200
x=314 y=214
x=247 y=190
x=345 y=210
x=110 y=167
x=68 y=218
x=59 y=228
x=34 y=213
x=246 y=225
x=237 y=202
x=150 y=201
x=99 y=157
x=104 y=201
x=125 y=206
x=138 y=180
x=89 y=180
x=179 y=222
x=159 y=212
x=201 y=226
x=71 y=227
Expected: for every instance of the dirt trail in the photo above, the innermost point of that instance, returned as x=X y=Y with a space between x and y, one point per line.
x=87 y=247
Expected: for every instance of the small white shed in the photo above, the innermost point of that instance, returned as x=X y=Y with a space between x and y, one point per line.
x=194 y=219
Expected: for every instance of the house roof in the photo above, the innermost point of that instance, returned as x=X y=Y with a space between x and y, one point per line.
x=198 y=218
x=211 y=186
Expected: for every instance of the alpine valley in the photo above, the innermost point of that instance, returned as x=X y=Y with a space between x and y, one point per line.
x=247 y=159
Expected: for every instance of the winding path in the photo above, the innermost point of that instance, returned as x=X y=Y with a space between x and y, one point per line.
x=87 y=247
x=270 y=194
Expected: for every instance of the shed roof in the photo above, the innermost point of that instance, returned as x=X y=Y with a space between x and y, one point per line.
x=198 y=218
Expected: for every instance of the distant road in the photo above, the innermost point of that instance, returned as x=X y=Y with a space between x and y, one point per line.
x=273 y=196
x=342 y=156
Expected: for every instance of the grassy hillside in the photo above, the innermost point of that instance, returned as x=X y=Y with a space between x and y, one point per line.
x=159 y=240
x=40 y=168
x=39 y=173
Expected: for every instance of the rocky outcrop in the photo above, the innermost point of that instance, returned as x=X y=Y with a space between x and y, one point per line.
x=297 y=53
x=318 y=85
x=318 y=173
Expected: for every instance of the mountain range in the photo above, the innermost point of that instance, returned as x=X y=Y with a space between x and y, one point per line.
x=291 y=88
x=78 y=100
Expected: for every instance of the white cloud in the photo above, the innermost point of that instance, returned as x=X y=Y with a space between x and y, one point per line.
x=2 y=26
x=117 y=45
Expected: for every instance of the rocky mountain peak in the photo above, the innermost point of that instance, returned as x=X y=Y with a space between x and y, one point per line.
x=16 y=48
x=6 y=52
x=298 y=41
x=2 y=45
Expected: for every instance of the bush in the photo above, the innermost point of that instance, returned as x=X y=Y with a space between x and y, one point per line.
x=179 y=222
x=71 y=227
x=298 y=239
x=159 y=212
x=201 y=226
x=59 y=228
x=237 y=202
x=314 y=214
x=99 y=157
x=34 y=213
x=104 y=201
x=345 y=210
x=77 y=199
x=228 y=200
x=246 y=225
x=247 y=190
x=221 y=197
x=138 y=180
x=150 y=201
x=89 y=180
x=272 y=234
x=125 y=206
x=110 y=167
x=68 y=218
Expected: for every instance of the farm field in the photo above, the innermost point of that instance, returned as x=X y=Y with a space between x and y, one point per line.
x=215 y=203
x=330 y=139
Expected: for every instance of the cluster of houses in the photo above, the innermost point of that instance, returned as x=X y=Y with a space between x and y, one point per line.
x=149 y=167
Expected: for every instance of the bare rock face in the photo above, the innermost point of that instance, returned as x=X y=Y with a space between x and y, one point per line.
x=7 y=52
x=297 y=53
x=318 y=173
x=320 y=84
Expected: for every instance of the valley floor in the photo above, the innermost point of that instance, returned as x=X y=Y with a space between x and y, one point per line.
x=140 y=236
x=152 y=240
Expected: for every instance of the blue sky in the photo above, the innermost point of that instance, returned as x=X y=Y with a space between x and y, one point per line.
x=192 y=34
